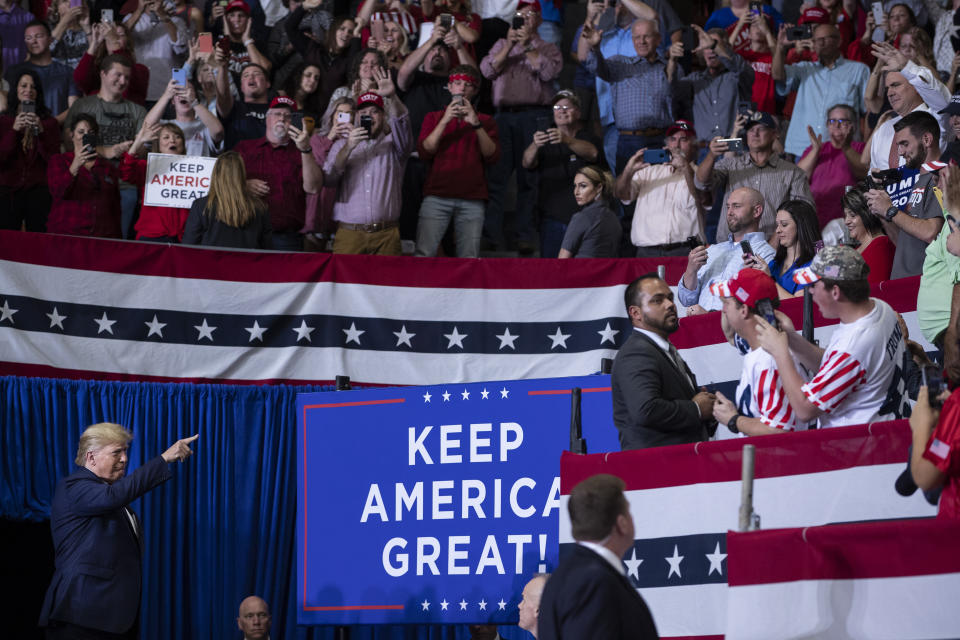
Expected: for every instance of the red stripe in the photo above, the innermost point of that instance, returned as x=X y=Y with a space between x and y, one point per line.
x=887 y=549
x=154 y=259
x=811 y=451
x=849 y=384
x=760 y=390
x=823 y=378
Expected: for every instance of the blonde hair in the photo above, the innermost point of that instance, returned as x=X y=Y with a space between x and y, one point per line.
x=599 y=177
x=228 y=198
x=100 y=435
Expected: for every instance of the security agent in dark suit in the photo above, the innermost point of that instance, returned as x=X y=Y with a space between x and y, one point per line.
x=95 y=590
x=655 y=397
x=589 y=595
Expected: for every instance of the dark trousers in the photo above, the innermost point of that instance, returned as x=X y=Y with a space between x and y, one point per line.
x=629 y=145
x=30 y=206
x=65 y=631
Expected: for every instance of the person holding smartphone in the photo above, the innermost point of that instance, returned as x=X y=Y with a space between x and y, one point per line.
x=84 y=186
x=335 y=125
x=29 y=137
x=160 y=37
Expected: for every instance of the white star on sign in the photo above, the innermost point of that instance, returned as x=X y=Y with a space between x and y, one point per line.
x=446 y=396
x=427 y=396
x=558 y=339
x=716 y=560
x=483 y=605
x=104 y=324
x=502 y=605
x=504 y=393
x=56 y=320
x=633 y=565
x=6 y=313
x=156 y=327
x=444 y=604
x=455 y=338
x=608 y=334
x=674 y=561
x=256 y=332
x=204 y=331
x=463 y=605
x=484 y=394
x=465 y=395
x=507 y=340
x=303 y=331
x=403 y=337
x=353 y=333
x=425 y=604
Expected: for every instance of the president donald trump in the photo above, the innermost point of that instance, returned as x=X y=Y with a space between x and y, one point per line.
x=95 y=590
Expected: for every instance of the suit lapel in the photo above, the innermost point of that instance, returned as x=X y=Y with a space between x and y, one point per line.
x=682 y=376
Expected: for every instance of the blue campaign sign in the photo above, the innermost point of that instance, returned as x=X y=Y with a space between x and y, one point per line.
x=433 y=504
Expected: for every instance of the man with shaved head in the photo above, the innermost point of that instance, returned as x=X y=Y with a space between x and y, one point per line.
x=724 y=260
x=254 y=618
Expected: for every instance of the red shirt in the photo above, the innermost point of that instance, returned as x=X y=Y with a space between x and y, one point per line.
x=87 y=204
x=944 y=452
x=154 y=222
x=763 y=84
x=87 y=78
x=457 y=170
x=282 y=169
x=21 y=169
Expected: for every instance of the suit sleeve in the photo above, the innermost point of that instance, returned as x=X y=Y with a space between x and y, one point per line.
x=641 y=378
x=96 y=498
x=587 y=613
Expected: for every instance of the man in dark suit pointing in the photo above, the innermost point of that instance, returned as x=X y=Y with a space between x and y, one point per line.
x=655 y=397
x=589 y=595
x=95 y=590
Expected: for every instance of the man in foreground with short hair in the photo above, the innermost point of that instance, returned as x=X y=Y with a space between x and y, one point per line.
x=254 y=618
x=589 y=595
x=97 y=538
x=655 y=397
x=858 y=377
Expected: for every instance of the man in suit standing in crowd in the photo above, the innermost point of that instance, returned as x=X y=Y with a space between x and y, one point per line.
x=655 y=397
x=95 y=590
x=589 y=595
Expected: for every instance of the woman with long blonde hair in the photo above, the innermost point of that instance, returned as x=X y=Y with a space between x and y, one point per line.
x=229 y=215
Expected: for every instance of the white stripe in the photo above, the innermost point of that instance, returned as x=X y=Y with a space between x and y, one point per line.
x=699 y=610
x=902 y=608
x=857 y=493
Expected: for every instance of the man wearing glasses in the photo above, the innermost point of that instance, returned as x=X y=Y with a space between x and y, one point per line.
x=833 y=163
x=832 y=79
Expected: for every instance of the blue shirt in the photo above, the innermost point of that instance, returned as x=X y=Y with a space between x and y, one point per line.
x=617 y=42
x=820 y=88
x=786 y=280
x=639 y=88
x=724 y=260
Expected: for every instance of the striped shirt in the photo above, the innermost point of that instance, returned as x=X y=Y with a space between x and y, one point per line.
x=760 y=393
x=860 y=378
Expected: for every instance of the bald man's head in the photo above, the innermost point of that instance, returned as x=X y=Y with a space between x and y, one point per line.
x=744 y=208
x=254 y=618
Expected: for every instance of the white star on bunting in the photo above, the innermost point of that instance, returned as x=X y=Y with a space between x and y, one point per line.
x=484 y=395
x=504 y=393
x=507 y=340
x=558 y=339
x=674 y=561
x=104 y=324
x=256 y=332
x=446 y=396
x=56 y=320
x=465 y=395
x=608 y=334
x=353 y=334
x=427 y=396
x=483 y=605
x=502 y=606
x=633 y=565
x=6 y=312
x=403 y=337
x=204 y=330
x=463 y=605
x=303 y=331
x=444 y=604
x=455 y=338
x=716 y=560
x=425 y=604
x=155 y=327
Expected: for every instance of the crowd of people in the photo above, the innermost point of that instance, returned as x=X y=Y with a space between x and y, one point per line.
x=446 y=125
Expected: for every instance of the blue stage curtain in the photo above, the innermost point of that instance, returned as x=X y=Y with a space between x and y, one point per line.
x=222 y=529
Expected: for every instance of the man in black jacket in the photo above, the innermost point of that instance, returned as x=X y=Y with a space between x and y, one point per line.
x=589 y=595
x=655 y=397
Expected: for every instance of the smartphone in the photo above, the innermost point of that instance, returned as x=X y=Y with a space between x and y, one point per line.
x=343 y=116
x=296 y=119
x=745 y=108
x=224 y=45
x=446 y=20
x=377 y=30
x=205 y=42
x=89 y=140
x=765 y=307
x=28 y=106
x=877 y=8
x=756 y=8
x=932 y=377
x=733 y=144
x=106 y=15
x=693 y=242
x=179 y=76
x=746 y=248
x=656 y=156
x=543 y=123
x=367 y=123
x=802 y=32
x=517 y=21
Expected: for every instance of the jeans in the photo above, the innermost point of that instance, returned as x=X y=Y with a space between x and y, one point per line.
x=435 y=215
x=288 y=241
x=129 y=202
x=551 y=237
x=610 y=137
x=629 y=145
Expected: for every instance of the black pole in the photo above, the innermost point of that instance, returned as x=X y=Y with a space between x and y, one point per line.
x=606 y=365
x=343 y=383
x=807 y=330
x=577 y=443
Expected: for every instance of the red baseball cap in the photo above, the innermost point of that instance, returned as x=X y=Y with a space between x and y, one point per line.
x=533 y=4
x=369 y=98
x=283 y=101
x=814 y=15
x=681 y=125
x=749 y=286
x=237 y=5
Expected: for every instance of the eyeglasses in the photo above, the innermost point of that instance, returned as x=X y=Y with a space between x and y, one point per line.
x=562 y=107
x=839 y=122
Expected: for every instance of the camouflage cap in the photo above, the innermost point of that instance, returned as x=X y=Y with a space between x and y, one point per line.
x=834 y=263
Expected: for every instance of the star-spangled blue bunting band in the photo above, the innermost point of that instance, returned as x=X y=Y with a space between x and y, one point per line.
x=309 y=330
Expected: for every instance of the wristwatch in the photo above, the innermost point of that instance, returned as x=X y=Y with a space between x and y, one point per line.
x=891 y=212
x=732 y=423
